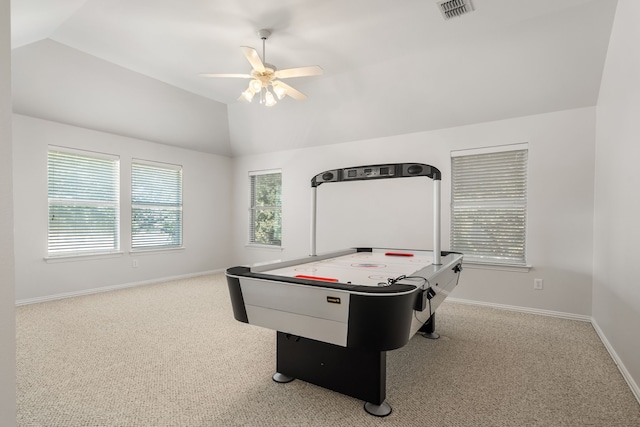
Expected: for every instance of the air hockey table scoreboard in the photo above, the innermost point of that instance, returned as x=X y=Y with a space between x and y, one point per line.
x=337 y=314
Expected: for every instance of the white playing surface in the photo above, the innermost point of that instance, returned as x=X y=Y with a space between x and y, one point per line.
x=361 y=268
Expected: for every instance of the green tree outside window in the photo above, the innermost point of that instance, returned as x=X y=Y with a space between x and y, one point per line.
x=266 y=209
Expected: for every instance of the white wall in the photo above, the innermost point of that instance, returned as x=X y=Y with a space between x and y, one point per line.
x=397 y=213
x=206 y=190
x=616 y=287
x=7 y=308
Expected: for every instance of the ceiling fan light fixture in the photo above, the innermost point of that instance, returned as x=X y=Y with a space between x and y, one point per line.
x=255 y=85
x=248 y=94
x=263 y=75
x=279 y=90
x=269 y=99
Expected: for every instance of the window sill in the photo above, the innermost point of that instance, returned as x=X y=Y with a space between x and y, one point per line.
x=82 y=257
x=155 y=251
x=483 y=265
x=264 y=247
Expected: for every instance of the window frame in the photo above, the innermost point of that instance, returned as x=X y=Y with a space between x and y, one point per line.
x=514 y=203
x=253 y=209
x=76 y=248
x=178 y=206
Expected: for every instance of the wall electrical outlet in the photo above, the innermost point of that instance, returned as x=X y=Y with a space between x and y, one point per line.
x=538 y=284
x=134 y=263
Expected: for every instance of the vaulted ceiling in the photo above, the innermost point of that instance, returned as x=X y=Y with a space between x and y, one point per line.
x=390 y=67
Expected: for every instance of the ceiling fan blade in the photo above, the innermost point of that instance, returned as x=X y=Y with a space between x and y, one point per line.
x=240 y=76
x=294 y=93
x=253 y=58
x=312 y=70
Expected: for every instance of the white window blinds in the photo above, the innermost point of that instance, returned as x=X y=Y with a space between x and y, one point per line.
x=265 y=226
x=83 y=193
x=489 y=206
x=156 y=206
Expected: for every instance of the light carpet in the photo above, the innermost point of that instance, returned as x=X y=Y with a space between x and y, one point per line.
x=171 y=354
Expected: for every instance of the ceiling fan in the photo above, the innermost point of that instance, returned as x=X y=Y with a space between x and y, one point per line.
x=265 y=77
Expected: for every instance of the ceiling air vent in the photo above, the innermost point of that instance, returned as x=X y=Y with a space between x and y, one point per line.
x=453 y=8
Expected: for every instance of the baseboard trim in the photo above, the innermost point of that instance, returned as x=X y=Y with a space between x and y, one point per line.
x=635 y=389
x=113 y=287
x=559 y=314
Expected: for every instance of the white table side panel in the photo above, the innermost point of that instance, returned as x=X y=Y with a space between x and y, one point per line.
x=291 y=298
x=309 y=327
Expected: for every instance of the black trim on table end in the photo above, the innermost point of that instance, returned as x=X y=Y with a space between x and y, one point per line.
x=235 y=292
x=380 y=323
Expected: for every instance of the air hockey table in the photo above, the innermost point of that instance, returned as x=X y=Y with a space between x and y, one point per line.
x=337 y=314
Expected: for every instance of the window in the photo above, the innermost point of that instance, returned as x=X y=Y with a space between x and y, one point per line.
x=84 y=210
x=265 y=226
x=156 y=206
x=489 y=204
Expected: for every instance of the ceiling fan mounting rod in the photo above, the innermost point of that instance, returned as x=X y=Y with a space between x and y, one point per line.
x=264 y=35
